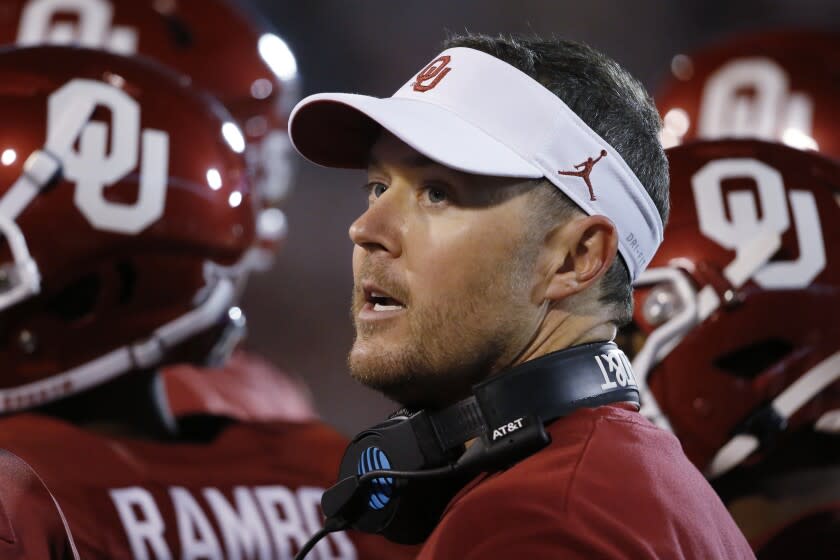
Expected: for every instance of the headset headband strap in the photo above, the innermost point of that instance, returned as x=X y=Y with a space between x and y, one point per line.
x=557 y=384
x=459 y=423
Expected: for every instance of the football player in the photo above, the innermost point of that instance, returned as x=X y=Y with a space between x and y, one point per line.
x=739 y=345
x=777 y=86
x=231 y=53
x=127 y=212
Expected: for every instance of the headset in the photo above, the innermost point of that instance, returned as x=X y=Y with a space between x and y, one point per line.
x=397 y=477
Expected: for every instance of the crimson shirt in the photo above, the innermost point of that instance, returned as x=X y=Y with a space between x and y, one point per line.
x=610 y=485
x=252 y=493
x=247 y=388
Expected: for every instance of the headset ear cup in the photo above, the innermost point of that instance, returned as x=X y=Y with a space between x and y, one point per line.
x=402 y=511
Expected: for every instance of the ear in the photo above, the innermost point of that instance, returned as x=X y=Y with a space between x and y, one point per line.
x=586 y=248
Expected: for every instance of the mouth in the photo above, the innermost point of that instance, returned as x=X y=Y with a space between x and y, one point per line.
x=379 y=303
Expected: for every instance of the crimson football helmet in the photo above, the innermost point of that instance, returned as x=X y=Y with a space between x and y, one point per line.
x=125 y=212
x=736 y=317
x=223 y=49
x=780 y=86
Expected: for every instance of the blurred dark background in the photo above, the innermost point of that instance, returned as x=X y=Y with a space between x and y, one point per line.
x=298 y=313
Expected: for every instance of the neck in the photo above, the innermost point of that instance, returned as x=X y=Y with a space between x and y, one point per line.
x=561 y=329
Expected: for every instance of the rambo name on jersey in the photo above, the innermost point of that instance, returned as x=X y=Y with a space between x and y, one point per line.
x=254 y=523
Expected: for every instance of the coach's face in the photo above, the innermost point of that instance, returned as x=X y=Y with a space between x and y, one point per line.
x=447 y=277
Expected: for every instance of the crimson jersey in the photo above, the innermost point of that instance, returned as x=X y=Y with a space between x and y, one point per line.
x=610 y=485
x=252 y=493
x=247 y=388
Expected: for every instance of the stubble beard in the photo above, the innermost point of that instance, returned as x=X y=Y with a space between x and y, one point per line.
x=452 y=344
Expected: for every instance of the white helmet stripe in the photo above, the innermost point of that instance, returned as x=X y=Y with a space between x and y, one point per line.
x=786 y=405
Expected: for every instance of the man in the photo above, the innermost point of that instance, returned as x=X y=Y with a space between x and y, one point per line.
x=118 y=262
x=482 y=251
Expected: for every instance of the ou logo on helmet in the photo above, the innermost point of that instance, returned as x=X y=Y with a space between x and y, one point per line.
x=93 y=168
x=771 y=112
x=743 y=223
x=93 y=28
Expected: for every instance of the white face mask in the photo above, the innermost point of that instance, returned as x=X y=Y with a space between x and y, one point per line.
x=681 y=307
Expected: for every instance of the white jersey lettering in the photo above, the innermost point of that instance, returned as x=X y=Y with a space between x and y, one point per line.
x=198 y=541
x=245 y=523
x=143 y=523
x=243 y=531
x=284 y=520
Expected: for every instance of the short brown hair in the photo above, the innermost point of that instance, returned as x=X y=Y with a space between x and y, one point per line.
x=613 y=103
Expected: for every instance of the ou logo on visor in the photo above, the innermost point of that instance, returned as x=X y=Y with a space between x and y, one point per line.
x=93 y=28
x=93 y=168
x=770 y=112
x=743 y=222
x=431 y=75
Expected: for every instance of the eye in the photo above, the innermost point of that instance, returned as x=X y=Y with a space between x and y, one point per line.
x=376 y=189
x=436 y=195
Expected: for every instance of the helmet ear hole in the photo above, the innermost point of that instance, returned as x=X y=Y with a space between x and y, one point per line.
x=77 y=300
x=750 y=361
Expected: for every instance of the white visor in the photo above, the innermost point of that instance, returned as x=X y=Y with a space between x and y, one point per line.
x=472 y=112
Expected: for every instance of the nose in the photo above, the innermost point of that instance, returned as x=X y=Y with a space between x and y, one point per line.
x=378 y=228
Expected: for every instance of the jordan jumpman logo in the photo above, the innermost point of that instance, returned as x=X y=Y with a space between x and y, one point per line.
x=585 y=169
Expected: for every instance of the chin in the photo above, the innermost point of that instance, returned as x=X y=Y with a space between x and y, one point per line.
x=376 y=369
x=408 y=378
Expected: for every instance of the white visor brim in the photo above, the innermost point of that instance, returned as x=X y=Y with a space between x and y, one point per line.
x=353 y=123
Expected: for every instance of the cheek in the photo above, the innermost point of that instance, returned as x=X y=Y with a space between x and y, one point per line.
x=437 y=257
x=453 y=260
x=358 y=257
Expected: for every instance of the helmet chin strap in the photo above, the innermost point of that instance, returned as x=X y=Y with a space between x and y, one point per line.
x=750 y=257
